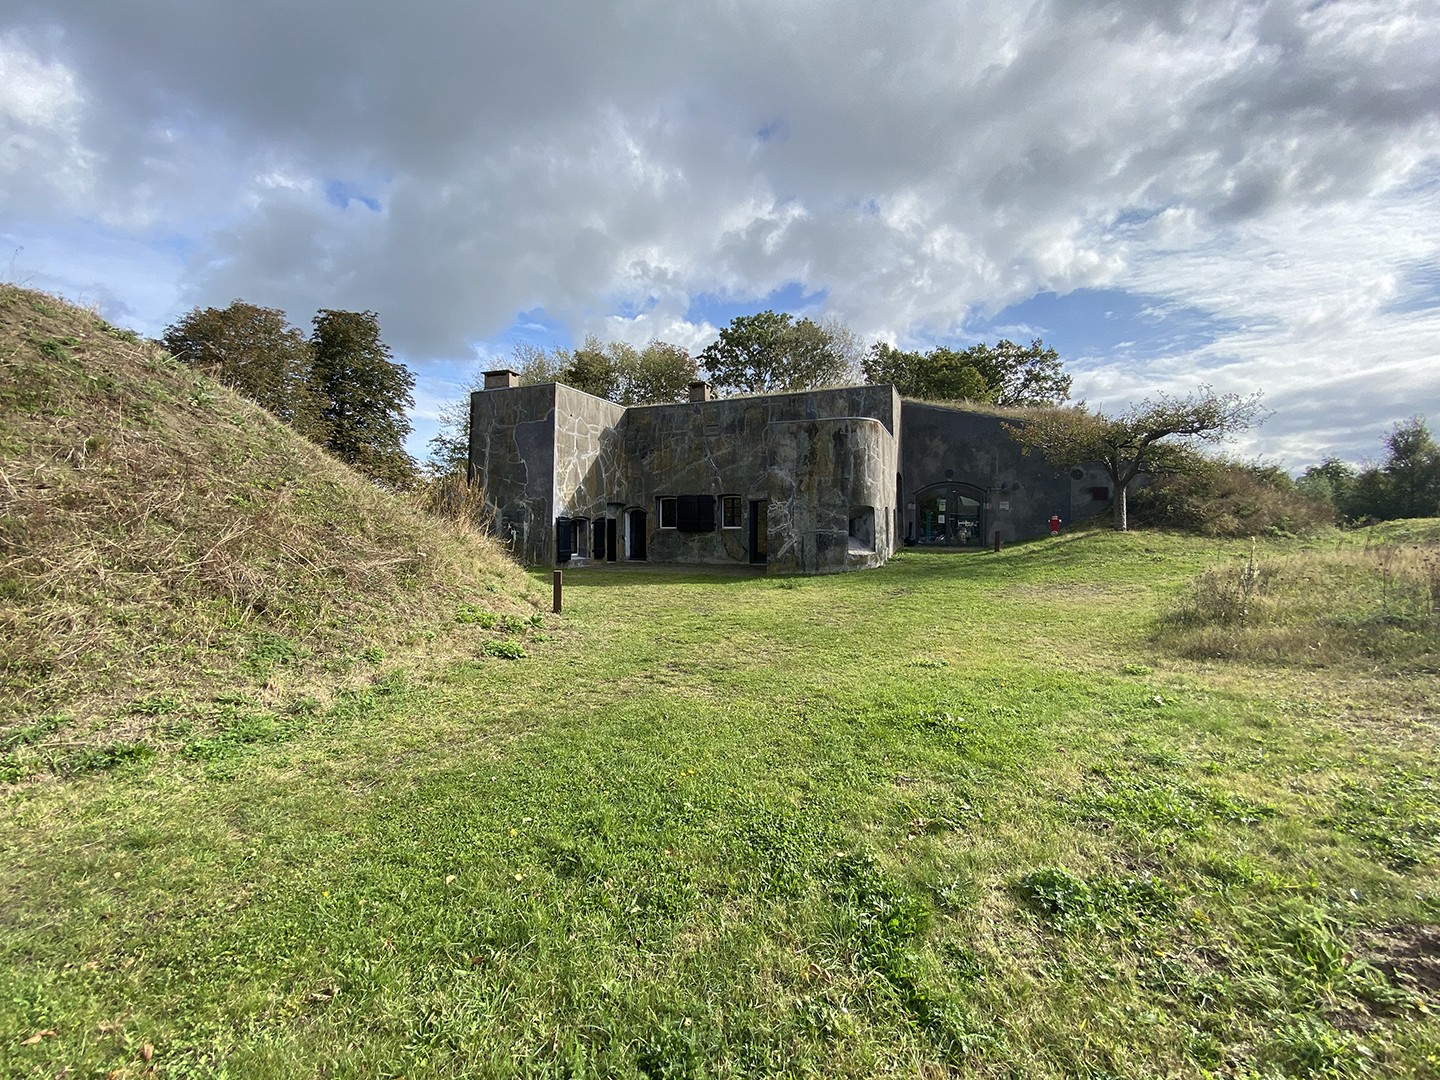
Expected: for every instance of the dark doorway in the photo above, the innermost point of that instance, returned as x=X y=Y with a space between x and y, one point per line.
x=612 y=539
x=597 y=539
x=636 y=533
x=899 y=510
x=950 y=515
x=564 y=534
x=759 y=531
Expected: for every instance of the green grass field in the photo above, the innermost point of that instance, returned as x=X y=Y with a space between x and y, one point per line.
x=992 y=815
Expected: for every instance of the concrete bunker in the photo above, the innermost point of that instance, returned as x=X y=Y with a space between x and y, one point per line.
x=811 y=482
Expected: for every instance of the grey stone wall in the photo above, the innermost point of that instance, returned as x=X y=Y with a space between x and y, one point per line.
x=949 y=445
x=512 y=454
x=811 y=457
x=590 y=464
x=832 y=494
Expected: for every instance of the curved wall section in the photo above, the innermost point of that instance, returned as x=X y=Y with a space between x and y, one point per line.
x=831 y=494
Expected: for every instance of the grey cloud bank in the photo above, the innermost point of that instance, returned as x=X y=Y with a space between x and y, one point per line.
x=920 y=168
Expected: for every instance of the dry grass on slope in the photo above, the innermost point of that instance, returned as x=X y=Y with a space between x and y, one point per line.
x=163 y=539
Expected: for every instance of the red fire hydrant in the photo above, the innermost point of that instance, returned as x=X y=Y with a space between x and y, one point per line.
x=1054 y=524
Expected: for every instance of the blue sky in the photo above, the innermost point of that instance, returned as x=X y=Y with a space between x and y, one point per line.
x=1238 y=194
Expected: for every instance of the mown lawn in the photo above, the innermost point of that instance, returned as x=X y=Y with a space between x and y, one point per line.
x=958 y=815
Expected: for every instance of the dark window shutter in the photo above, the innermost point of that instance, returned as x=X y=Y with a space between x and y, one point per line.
x=685 y=513
x=704 y=513
x=564 y=530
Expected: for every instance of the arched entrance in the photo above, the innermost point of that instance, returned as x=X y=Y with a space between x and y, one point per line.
x=635 y=533
x=950 y=515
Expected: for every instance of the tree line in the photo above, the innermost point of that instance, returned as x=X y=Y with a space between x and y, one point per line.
x=1406 y=483
x=340 y=387
x=773 y=352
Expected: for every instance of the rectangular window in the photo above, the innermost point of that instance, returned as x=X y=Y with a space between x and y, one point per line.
x=665 y=507
x=695 y=513
x=730 y=511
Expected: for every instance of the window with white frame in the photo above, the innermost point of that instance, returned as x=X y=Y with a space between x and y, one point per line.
x=730 y=511
x=666 y=513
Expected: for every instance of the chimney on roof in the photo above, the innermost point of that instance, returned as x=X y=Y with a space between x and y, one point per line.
x=501 y=379
x=699 y=390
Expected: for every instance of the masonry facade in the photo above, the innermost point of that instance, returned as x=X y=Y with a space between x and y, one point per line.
x=817 y=481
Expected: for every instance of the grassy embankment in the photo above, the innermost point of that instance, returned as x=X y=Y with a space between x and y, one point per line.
x=1081 y=808
x=163 y=543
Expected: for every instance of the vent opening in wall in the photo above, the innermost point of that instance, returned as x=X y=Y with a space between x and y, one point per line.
x=1077 y=474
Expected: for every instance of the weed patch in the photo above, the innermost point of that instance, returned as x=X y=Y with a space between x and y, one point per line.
x=267 y=652
x=1148 y=806
x=1069 y=903
x=476 y=615
x=1309 y=1046
x=1396 y=819
x=506 y=649
x=99 y=758
x=231 y=728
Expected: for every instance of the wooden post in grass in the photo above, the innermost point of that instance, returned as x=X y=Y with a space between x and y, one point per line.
x=997 y=539
x=559 y=582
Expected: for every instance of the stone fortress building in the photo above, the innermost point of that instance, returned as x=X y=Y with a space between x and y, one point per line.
x=810 y=482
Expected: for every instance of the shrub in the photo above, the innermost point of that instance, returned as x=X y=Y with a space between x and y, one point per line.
x=1217 y=497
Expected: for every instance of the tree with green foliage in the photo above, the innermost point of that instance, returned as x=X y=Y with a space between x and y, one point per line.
x=534 y=365
x=1155 y=436
x=449 y=448
x=1412 y=468
x=621 y=373
x=1021 y=375
x=769 y=352
x=1331 y=482
x=1370 y=497
x=939 y=375
x=256 y=351
x=593 y=368
x=1006 y=374
x=366 y=395
x=660 y=372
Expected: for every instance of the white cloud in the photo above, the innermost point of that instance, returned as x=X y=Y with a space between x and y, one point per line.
x=41 y=158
